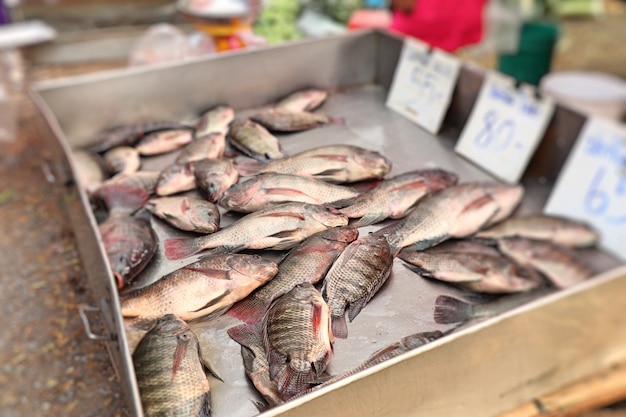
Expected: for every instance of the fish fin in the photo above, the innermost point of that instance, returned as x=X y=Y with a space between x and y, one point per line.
x=142 y=323
x=143 y=215
x=451 y=310
x=118 y=196
x=345 y=202
x=185 y=205
x=208 y=365
x=380 y=354
x=261 y=406
x=209 y=272
x=418 y=270
x=182 y=343
x=213 y=301
x=317 y=317
x=249 y=310
x=181 y=247
x=277 y=364
x=285 y=214
x=247 y=167
x=205 y=410
x=371 y=218
x=355 y=308
x=286 y=191
x=246 y=334
x=339 y=326
x=330 y=157
x=409 y=186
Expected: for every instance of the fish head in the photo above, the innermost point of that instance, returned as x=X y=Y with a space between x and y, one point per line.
x=172 y=177
x=439 y=179
x=506 y=196
x=581 y=233
x=239 y=195
x=377 y=164
x=326 y=215
x=254 y=267
x=169 y=325
x=346 y=234
x=518 y=248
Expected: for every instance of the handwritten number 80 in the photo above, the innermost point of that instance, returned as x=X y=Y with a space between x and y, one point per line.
x=495 y=133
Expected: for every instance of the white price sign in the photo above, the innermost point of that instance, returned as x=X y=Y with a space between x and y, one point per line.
x=423 y=84
x=592 y=185
x=505 y=127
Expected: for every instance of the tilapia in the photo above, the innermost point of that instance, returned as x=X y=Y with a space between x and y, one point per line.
x=307 y=262
x=285 y=120
x=267 y=189
x=122 y=160
x=209 y=146
x=354 y=278
x=146 y=180
x=192 y=214
x=164 y=141
x=298 y=339
x=303 y=100
x=89 y=172
x=278 y=227
x=254 y=140
x=215 y=120
x=558 y=230
x=463 y=246
x=127 y=236
x=395 y=197
x=176 y=178
x=507 y=196
x=475 y=272
x=204 y=288
x=128 y=135
x=558 y=264
x=334 y=163
x=171 y=375
x=457 y=211
x=214 y=176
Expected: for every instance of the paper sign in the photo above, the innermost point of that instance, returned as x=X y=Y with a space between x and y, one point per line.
x=423 y=84
x=505 y=127
x=592 y=185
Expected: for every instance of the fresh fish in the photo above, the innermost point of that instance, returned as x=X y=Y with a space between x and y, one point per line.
x=335 y=163
x=164 y=141
x=128 y=238
x=176 y=178
x=267 y=189
x=122 y=160
x=558 y=230
x=449 y=310
x=192 y=214
x=204 y=288
x=254 y=140
x=395 y=197
x=303 y=100
x=463 y=246
x=285 y=120
x=210 y=146
x=278 y=227
x=508 y=197
x=215 y=120
x=89 y=172
x=214 y=176
x=559 y=265
x=146 y=180
x=128 y=135
x=298 y=339
x=170 y=372
x=457 y=211
x=354 y=278
x=307 y=262
x=475 y=272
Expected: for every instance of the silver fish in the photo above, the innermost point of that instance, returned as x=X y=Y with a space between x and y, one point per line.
x=507 y=196
x=215 y=120
x=214 y=176
x=285 y=120
x=210 y=146
x=89 y=172
x=122 y=160
x=128 y=135
x=192 y=214
x=463 y=246
x=146 y=180
x=176 y=178
x=254 y=140
x=303 y=100
x=164 y=141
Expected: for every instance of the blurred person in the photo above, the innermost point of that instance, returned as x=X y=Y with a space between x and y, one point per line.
x=445 y=24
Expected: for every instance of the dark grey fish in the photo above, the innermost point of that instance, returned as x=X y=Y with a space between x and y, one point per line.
x=285 y=120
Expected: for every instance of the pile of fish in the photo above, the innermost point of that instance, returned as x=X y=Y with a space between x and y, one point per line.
x=310 y=204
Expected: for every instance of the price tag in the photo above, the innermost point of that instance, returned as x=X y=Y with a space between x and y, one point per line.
x=592 y=184
x=505 y=127
x=423 y=84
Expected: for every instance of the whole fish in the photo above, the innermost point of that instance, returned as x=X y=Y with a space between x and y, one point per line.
x=128 y=238
x=176 y=178
x=395 y=197
x=556 y=263
x=307 y=262
x=278 y=227
x=89 y=172
x=457 y=211
x=214 y=176
x=354 y=278
x=285 y=120
x=266 y=189
x=558 y=230
x=122 y=160
x=128 y=135
x=215 y=120
x=164 y=141
x=192 y=214
x=508 y=197
x=146 y=180
x=335 y=163
x=303 y=100
x=463 y=246
x=254 y=140
x=204 y=288
x=170 y=373
x=209 y=146
x=298 y=339
x=475 y=272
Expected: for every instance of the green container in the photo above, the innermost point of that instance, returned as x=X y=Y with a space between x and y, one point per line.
x=534 y=55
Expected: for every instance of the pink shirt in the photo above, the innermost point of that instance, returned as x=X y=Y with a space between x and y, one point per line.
x=445 y=24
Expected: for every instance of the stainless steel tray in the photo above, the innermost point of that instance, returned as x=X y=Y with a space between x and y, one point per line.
x=481 y=370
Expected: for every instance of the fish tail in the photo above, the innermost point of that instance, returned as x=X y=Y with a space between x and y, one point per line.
x=118 y=196
x=249 y=310
x=451 y=310
x=247 y=167
x=339 y=326
x=181 y=247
